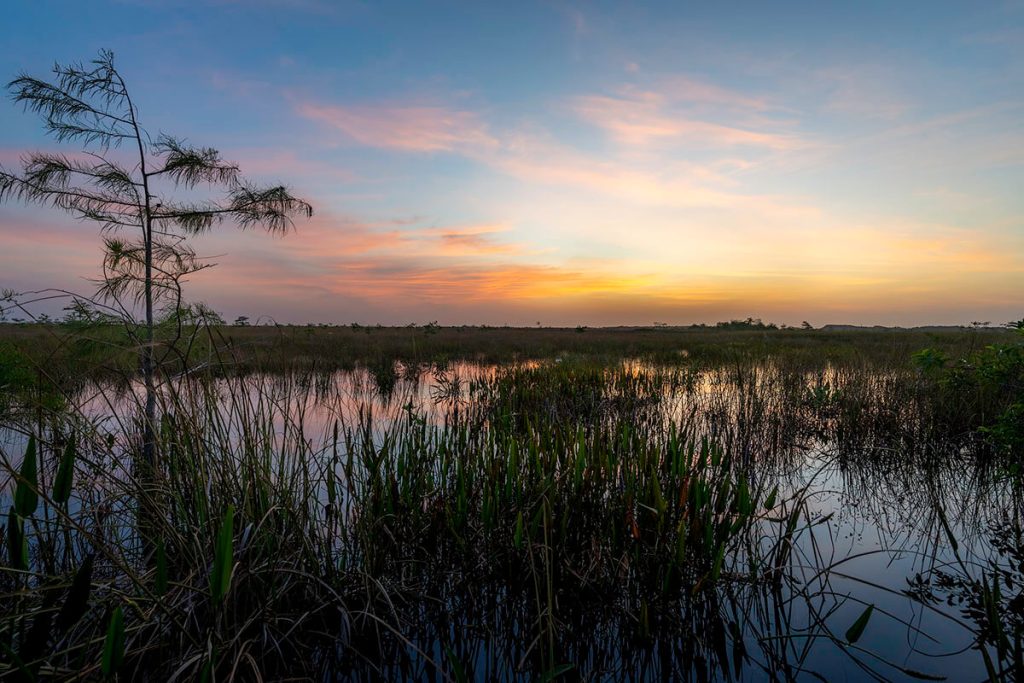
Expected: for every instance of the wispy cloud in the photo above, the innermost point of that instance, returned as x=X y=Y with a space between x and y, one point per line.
x=641 y=118
x=635 y=119
x=697 y=91
x=412 y=128
x=470 y=240
x=688 y=110
x=864 y=91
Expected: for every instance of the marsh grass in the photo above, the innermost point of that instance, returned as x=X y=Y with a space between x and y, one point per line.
x=346 y=538
x=69 y=350
x=557 y=519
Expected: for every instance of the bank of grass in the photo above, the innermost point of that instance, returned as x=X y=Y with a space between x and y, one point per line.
x=71 y=350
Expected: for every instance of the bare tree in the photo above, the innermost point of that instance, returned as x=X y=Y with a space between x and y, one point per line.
x=143 y=198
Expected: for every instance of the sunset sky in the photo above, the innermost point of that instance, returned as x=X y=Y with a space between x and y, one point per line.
x=571 y=163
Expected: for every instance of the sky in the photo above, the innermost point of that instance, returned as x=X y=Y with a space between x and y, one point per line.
x=570 y=163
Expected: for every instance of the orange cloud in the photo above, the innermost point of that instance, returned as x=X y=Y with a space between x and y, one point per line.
x=819 y=262
x=404 y=281
x=470 y=240
x=343 y=269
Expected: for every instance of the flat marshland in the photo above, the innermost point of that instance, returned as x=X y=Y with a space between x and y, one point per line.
x=431 y=503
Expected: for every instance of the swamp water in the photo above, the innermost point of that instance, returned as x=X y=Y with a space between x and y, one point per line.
x=841 y=541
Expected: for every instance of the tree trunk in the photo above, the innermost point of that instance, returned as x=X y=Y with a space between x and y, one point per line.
x=148 y=429
x=148 y=371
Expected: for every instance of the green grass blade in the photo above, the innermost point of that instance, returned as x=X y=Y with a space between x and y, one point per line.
x=113 y=645
x=77 y=602
x=556 y=672
x=220 y=578
x=458 y=672
x=16 y=541
x=26 y=496
x=855 y=631
x=65 y=473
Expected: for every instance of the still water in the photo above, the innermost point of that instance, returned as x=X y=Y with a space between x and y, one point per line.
x=879 y=516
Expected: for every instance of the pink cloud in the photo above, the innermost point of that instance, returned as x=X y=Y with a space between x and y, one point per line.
x=641 y=118
x=539 y=160
x=409 y=128
x=642 y=121
x=696 y=91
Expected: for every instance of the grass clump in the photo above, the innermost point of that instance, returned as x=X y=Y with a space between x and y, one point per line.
x=260 y=546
